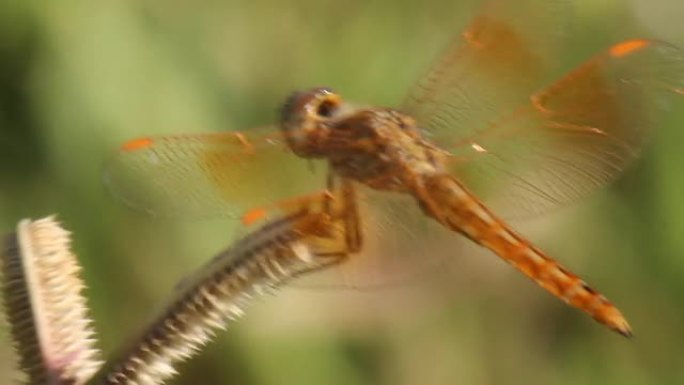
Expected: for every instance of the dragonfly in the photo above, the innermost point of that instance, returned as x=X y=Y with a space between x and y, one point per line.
x=497 y=106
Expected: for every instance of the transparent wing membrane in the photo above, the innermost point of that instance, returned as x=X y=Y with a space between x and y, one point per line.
x=208 y=175
x=507 y=52
x=573 y=136
x=522 y=141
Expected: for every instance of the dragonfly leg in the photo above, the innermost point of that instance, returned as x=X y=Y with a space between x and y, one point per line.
x=342 y=206
x=328 y=222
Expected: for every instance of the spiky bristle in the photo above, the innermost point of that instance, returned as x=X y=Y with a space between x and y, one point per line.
x=44 y=306
x=209 y=300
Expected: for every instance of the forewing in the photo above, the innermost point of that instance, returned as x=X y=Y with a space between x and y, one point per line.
x=525 y=146
x=204 y=175
x=508 y=51
x=575 y=135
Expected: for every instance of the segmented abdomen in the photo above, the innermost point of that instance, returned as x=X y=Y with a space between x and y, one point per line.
x=450 y=203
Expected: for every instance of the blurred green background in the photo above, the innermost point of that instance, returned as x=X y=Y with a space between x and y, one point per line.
x=79 y=77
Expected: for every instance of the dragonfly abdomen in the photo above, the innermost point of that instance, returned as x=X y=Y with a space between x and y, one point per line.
x=450 y=203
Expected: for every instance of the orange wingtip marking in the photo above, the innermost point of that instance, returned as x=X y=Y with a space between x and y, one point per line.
x=253 y=215
x=137 y=144
x=627 y=47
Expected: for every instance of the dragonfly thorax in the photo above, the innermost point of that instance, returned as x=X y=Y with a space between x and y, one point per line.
x=375 y=146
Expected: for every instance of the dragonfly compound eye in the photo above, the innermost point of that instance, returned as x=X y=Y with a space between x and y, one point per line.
x=304 y=118
x=326 y=108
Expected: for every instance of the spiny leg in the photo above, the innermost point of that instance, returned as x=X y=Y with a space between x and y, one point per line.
x=342 y=204
x=336 y=234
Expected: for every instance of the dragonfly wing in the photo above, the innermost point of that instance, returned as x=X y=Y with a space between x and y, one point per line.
x=509 y=50
x=488 y=102
x=575 y=135
x=208 y=175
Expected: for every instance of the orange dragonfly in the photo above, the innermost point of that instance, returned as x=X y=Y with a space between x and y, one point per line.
x=489 y=109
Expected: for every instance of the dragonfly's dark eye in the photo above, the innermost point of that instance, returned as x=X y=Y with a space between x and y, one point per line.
x=326 y=109
x=304 y=119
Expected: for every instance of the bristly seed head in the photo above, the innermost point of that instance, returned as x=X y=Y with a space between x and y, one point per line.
x=54 y=339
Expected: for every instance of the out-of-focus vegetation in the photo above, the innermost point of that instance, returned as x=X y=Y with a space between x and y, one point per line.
x=79 y=77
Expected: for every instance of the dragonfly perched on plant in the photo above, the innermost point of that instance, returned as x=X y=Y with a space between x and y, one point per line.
x=489 y=109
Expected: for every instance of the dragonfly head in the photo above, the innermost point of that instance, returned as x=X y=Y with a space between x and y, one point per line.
x=306 y=119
